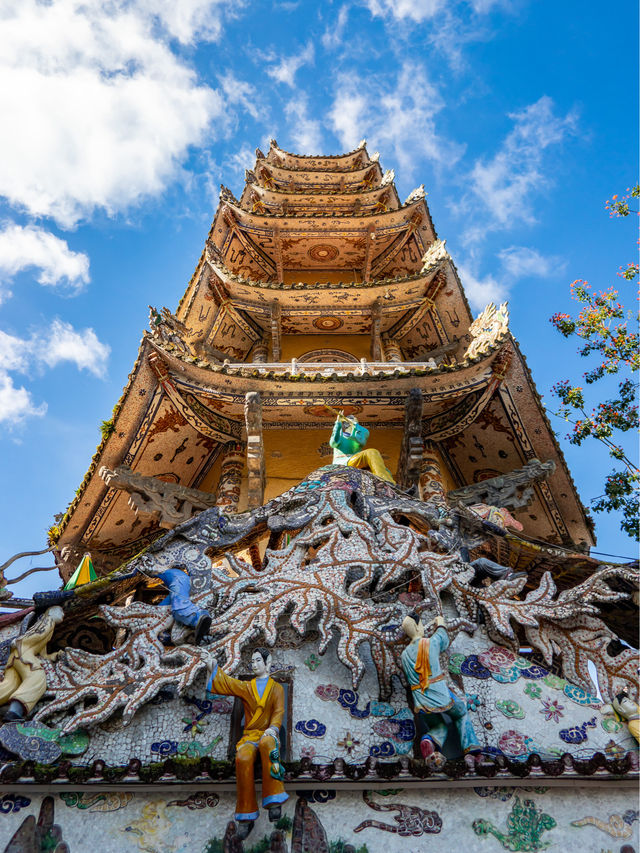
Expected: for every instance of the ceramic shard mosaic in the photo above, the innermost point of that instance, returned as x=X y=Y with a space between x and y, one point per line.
x=326 y=585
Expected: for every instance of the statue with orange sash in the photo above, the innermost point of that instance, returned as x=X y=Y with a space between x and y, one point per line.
x=431 y=694
x=263 y=702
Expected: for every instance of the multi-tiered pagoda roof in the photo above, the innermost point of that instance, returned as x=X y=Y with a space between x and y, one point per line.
x=316 y=286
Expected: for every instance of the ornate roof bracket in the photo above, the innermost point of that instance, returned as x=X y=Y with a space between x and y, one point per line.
x=411 y=319
x=412 y=226
x=197 y=415
x=412 y=447
x=461 y=415
x=255 y=449
x=511 y=491
x=151 y=499
x=254 y=251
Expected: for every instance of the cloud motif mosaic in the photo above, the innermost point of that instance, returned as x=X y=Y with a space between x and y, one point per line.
x=577 y=734
x=311 y=728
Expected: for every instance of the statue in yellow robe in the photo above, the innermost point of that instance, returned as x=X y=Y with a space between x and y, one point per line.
x=263 y=702
x=24 y=681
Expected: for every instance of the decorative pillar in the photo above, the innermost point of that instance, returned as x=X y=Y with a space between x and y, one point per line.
x=431 y=482
x=260 y=352
x=392 y=351
x=376 y=320
x=255 y=449
x=228 y=491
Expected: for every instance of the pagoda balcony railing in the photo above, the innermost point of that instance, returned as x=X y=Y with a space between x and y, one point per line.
x=343 y=368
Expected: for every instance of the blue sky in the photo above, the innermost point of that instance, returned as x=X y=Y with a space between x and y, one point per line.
x=122 y=117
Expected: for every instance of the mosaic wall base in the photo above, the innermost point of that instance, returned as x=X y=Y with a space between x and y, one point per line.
x=478 y=820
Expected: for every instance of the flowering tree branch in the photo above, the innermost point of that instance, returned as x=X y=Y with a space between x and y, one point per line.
x=606 y=329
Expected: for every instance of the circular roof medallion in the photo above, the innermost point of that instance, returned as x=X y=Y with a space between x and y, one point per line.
x=323 y=252
x=328 y=324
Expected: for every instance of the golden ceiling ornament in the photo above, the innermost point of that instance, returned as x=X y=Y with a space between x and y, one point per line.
x=328 y=324
x=323 y=252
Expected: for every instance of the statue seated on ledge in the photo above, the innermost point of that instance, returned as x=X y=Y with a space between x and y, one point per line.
x=348 y=440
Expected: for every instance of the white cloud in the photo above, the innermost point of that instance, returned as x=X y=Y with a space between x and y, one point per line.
x=306 y=132
x=332 y=36
x=31 y=247
x=285 y=70
x=81 y=348
x=414 y=10
x=400 y=118
x=424 y=10
x=13 y=353
x=242 y=93
x=60 y=343
x=523 y=262
x=515 y=263
x=97 y=111
x=481 y=291
x=16 y=404
x=242 y=159
x=506 y=184
x=186 y=19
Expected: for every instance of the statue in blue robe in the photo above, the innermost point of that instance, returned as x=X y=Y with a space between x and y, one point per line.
x=183 y=610
x=431 y=694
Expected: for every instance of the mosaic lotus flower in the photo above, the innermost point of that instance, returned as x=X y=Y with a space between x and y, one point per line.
x=552 y=709
x=512 y=743
x=497 y=658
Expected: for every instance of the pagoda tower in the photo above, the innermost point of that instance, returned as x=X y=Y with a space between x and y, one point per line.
x=326 y=583
x=319 y=287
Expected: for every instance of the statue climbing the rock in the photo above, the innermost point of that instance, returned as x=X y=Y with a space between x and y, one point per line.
x=183 y=610
x=431 y=694
x=348 y=440
x=263 y=702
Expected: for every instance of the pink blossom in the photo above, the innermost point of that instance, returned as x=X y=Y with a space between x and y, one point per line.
x=512 y=743
x=552 y=709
